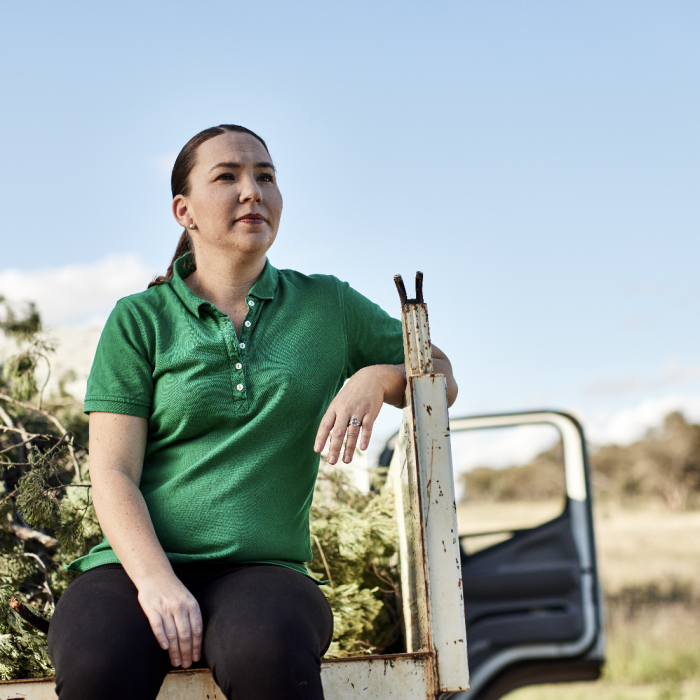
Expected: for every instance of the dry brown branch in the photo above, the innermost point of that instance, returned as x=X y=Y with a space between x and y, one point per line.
x=28 y=616
x=40 y=411
x=325 y=563
x=9 y=495
x=48 y=376
x=37 y=436
x=55 y=421
x=385 y=579
x=26 y=533
x=10 y=425
x=47 y=585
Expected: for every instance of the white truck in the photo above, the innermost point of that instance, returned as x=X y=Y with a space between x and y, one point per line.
x=525 y=610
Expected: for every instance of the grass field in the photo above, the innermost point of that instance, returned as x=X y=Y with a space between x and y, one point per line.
x=650 y=568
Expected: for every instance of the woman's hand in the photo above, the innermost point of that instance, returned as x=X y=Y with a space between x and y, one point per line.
x=361 y=398
x=175 y=618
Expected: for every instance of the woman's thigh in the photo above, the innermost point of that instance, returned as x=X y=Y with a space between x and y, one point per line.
x=265 y=630
x=101 y=643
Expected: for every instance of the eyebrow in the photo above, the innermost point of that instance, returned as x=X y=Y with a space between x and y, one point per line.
x=261 y=164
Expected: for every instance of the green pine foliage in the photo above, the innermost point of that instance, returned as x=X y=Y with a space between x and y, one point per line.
x=46 y=516
x=47 y=519
x=354 y=543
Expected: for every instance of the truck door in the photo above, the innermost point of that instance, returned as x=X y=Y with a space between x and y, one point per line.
x=531 y=591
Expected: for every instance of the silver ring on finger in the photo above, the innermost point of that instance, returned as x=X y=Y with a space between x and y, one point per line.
x=354 y=422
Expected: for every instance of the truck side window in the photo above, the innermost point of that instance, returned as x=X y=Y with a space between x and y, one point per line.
x=506 y=479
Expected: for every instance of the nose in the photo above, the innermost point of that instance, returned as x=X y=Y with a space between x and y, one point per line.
x=250 y=190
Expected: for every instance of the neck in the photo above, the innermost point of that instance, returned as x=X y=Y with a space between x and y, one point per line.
x=222 y=281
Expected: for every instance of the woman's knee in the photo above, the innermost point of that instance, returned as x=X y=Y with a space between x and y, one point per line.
x=100 y=642
x=100 y=674
x=266 y=628
x=278 y=668
x=279 y=663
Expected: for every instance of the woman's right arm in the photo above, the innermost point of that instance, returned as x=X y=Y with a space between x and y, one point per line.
x=117 y=447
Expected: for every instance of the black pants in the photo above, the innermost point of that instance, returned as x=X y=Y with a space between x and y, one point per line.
x=265 y=630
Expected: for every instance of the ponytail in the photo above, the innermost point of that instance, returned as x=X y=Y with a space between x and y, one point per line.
x=184 y=246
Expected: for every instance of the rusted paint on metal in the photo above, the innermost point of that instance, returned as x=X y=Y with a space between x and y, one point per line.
x=442 y=554
x=392 y=677
x=190 y=685
x=418 y=507
x=37 y=689
x=178 y=685
x=402 y=498
x=396 y=677
x=435 y=561
x=416 y=337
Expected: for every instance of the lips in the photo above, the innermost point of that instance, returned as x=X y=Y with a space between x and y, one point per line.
x=251 y=219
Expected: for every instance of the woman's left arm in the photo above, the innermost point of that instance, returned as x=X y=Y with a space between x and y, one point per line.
x=362 y=398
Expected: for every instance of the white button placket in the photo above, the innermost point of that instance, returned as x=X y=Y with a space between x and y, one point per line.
x=247 y=323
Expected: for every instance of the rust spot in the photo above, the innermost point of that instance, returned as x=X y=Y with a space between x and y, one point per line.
x=429 y=409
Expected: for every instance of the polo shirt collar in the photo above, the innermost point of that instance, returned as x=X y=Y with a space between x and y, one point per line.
x=265 y=287
x=184 y=266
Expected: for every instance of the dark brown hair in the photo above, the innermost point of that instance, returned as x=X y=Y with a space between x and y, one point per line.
x=180 y=182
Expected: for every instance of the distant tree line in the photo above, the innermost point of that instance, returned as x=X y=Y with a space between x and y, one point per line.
x=664 y=466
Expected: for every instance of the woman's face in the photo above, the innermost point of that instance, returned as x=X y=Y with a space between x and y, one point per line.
x=234 y=201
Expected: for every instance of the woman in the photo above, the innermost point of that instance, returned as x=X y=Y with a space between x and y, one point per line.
x=209 y=396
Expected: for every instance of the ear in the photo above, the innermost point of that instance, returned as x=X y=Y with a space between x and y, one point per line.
x=181 y=211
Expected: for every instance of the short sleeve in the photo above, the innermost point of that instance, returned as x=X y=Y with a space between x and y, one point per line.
x=373 y=337
x=121 y=378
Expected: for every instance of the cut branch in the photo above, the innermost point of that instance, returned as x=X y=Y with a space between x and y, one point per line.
x=28 y=437
x=27 y=615
x=55 y=421
x=40 y=411
x=26 y=533
x=325 y=563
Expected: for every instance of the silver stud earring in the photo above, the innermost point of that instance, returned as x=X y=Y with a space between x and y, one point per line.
x=192 y=226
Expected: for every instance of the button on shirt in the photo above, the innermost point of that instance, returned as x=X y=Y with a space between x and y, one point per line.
x=229 y=468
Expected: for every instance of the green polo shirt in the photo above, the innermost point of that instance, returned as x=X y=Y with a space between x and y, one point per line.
x=229 y=468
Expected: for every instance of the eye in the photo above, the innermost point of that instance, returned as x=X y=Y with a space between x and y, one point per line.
x=225 y=176
x=266 y=177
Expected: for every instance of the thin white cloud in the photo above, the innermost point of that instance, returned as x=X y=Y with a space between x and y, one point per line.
x=678 y=373
x=629 y=424
x=77 y=294
x=674 y=373
x=618 y=385
x=500 y=447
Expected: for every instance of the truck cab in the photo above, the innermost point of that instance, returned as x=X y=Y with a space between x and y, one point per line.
x=532 y=598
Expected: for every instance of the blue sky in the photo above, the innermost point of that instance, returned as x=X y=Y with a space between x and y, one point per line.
x=538 y=161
